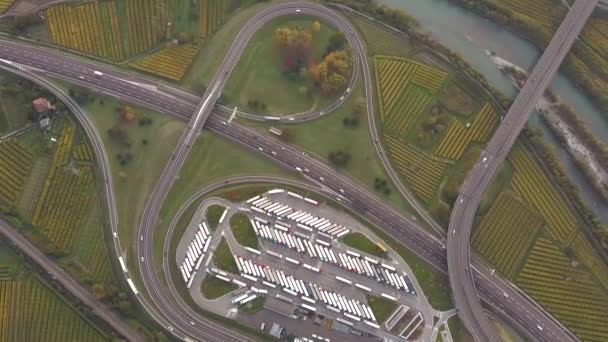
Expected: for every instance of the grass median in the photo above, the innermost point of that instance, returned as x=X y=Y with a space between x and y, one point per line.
x=243 y=231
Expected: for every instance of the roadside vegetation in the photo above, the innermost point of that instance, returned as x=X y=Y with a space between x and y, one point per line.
x=243 y=231
x=364 y=244
x=213 y=215
x=223 y=259
x=381 y=307
x=213 y=288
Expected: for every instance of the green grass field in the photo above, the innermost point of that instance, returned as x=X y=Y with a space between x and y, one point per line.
x=213 y=215
x=213 y=288
x=134 y=182
x=363 y=243
x=328 y=134
x=259 y=74
x=381 y=307
x=223 y=259
x=243 y=231
x=214 y=50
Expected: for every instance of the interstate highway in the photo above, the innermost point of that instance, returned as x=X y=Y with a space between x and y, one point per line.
x=519 y=310
x=169 y=101
x=462 y=217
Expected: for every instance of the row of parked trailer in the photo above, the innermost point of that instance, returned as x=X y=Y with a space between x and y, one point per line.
x=264 y=205
x=310 y=222
x=320 y=249
x=308 y=292
x=195 y=254
x=373 y=268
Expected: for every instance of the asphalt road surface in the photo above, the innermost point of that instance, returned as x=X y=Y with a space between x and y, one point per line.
x=466 y=296
x=155 y=95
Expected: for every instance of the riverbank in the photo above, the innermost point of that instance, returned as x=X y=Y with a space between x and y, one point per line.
x=586 y=65
x=588 y=152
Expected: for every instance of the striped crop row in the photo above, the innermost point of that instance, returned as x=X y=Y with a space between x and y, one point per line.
x=588 y=256
x=413 y=103
x=65 y=197
x=541 y=11
x=82 y=152
x=596 y=34
x=430 y=78
x=30 y=311
x=420 y=170
x=506 y=233
x=92 y=28
x=566 y=290
x=212 y=14
x=170 y=62
x=392 y=77
x=5 y=4
x=458 y=136
x=147 y=24
x=15 y=166
x=530 y=182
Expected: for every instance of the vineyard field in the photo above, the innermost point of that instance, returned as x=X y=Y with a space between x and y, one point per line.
x=394 y=74
x=5 y=4
x=147 y=24
x=596 y=34
x=212 y=15
x=82 y=152
x=412 y=104
x=458 y=136
x=531 y=183
x=15 y=166
x=30 y=311
x=570 y=293
x=542 y=12
x=506 y=234
x=421 y=171
x=170 y=62
x=92 y=28
x=65 y=196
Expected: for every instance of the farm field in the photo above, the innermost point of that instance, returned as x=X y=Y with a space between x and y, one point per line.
x=458 y=136
x=117 y=30
x=92 y=28
x=571 y=293
x=14 y=169
x=211 y=16
x=506 y=233
x=30 y=311
x=5 y=4
x=544 y=12
x=530 y=182
x=422 y=171
x=170 y=62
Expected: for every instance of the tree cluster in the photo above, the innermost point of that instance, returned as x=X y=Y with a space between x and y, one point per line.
x=381 y=185
x=339 y=158
x=332 y=74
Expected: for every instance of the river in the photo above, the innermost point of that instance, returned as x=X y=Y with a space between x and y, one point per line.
x=468 y=34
